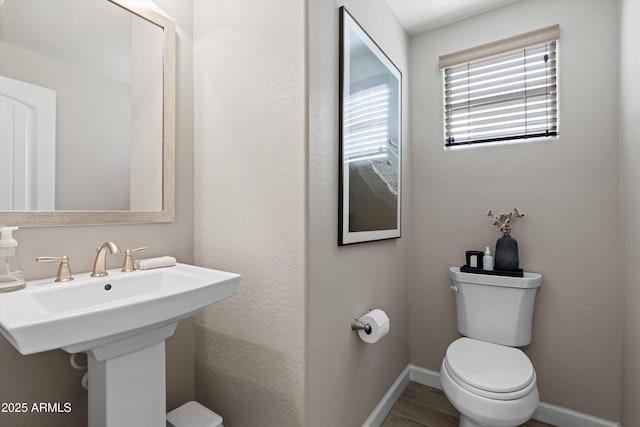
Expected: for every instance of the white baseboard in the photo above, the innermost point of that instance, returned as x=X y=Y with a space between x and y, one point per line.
x=382 y=410
x=425 y=377
x=546 y=413
x=563 y=417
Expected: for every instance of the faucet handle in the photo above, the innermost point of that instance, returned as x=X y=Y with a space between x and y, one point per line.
x=64 y=269
x=128 y=258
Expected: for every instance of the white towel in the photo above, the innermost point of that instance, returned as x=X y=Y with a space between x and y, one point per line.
x=149 y=263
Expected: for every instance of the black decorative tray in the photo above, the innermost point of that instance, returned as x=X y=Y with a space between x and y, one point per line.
x=516 y=273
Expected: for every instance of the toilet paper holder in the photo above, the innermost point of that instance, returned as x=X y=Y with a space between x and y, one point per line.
x=357 y=325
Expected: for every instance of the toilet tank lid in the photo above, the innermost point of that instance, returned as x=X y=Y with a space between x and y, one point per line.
x=491 y=367
x=529 y=280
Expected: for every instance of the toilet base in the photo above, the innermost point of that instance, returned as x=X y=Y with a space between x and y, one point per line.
x=467 y=422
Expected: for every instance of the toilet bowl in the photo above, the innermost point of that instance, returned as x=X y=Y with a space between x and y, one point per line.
x=491 y=385
x=485 y=377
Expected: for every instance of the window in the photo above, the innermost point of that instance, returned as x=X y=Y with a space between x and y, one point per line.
x=501 y=91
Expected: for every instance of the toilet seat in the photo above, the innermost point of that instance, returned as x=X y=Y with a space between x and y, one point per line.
x=490 y=370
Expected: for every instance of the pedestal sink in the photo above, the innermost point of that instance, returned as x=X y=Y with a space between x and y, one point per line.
x=120 y=321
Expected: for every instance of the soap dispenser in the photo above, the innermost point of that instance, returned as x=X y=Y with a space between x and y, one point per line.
x=11 y=278
x=487 y=260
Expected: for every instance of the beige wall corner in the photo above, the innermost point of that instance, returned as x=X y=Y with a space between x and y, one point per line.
x=250 y=191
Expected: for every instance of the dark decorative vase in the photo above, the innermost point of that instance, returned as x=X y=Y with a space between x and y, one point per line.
x=507 y=254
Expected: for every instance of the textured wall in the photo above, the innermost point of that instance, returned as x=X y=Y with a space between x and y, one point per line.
x=346 y=378
x=48 y=377
x=250 y=187
x=569 y=189
x=630 y=207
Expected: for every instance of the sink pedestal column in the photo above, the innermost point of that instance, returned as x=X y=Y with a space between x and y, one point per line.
x=129 y=390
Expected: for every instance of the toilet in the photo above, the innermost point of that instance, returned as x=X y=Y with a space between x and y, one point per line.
x=485 y=377
x=193 y=414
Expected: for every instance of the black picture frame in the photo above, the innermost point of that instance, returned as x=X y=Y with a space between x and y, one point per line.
x=370 y=135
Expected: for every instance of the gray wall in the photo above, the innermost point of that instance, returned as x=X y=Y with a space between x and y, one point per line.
x=346 y=378
x=48 y=377
x=630 y=207
x=250 y=218
x=568 y=188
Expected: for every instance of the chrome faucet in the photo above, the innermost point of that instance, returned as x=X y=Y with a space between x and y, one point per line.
x=100 y=264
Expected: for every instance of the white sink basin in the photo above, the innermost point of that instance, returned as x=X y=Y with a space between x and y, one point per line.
x=92 y=311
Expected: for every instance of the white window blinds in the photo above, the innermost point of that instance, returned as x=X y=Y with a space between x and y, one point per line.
x=502 y=91
x=365 y=123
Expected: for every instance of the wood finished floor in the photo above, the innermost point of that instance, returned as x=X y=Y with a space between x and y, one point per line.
x=422 y=406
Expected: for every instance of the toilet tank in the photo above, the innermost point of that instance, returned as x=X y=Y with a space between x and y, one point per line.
x=496 y=309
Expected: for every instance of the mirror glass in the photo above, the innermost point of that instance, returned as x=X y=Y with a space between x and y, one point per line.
x=82 y=109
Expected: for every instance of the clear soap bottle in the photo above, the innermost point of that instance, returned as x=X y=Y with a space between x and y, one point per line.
x=487 y=260
x=11 y=278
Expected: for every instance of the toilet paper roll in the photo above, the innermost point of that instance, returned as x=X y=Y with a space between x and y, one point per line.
x=379 y=323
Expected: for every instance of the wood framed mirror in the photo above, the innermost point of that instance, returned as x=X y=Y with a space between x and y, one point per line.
x=105 y=73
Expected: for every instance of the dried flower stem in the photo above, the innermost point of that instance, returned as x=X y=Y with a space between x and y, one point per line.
x=504 y=220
